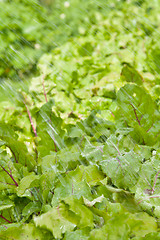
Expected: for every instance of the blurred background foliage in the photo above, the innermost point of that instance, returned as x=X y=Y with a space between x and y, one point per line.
x=28 y=29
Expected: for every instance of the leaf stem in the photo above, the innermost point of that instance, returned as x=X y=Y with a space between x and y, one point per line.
x=72 y=189
x=30 y=118
x=9 y=175
x=115 y=148
x=1 y=216
x=147 y=198
x=153 y=188
x=120 y=164
x=13 y=153
x=12 y=184
x=136 y=114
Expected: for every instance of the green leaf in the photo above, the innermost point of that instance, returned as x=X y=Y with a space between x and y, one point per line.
x=48 y=130
x=137 y=108
x=77 y=183
x=78 y=234
x=123 y=225
x=49 y=164
x=129 y=74
x=56 y=221
x=25 y=231
x=70 y=186
x=147 y=188
x=122 y=169
x=142 y=224
x=9 y=177
x=149 y=236
x=30 y=208
x=26 y=183
x=93 y=202
x=5 y=206
x=68 y=158
x=84 y=215
x=46 y=182
x=153 y=60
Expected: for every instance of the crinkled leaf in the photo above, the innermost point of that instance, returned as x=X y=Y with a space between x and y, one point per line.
x=147 y=189
x=137 y=108
x=57 y=220
x=9 y=176
x=26 y=183
x=25 y=231
x=84 y=215
x=18 y=149
x=122 y=169
x=77 y=183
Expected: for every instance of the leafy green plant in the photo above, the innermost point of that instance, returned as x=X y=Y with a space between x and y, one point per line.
x=124 y=32
x=79 y=143
x=82 y=178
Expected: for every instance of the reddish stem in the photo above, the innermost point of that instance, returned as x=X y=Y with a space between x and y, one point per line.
x=9 y=175
x=100 y=149
x=72 y=189
x=150 y=128
x=4 y=226
x=135 y=114
x=13 y=154
x=112 y=114
x=30 y=118
x=147 y=198
x=55 y=146
x=5 y=219
x=120 y=164
x=153 y=188
x=115 y=147
x=12 y=184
